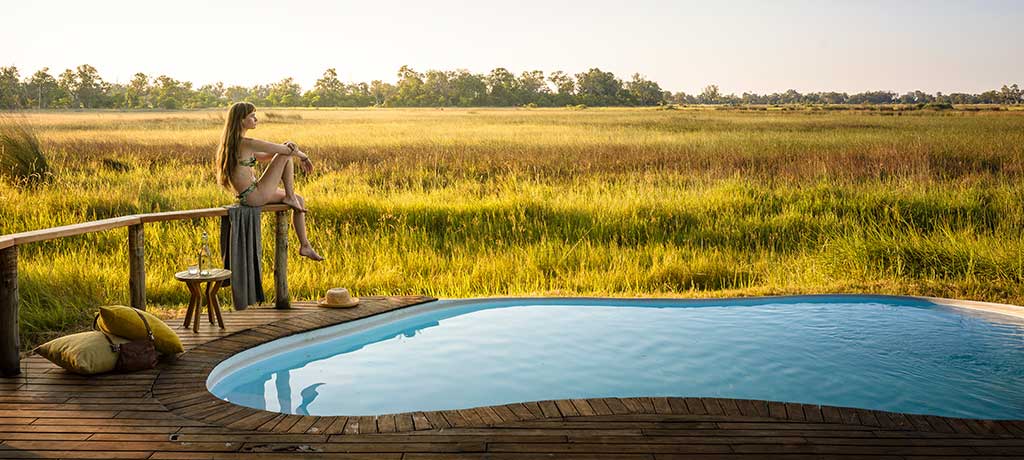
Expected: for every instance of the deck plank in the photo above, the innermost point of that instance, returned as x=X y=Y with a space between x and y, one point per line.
x=167 y=413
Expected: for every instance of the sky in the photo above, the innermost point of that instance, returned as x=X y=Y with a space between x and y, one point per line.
x=754 y=46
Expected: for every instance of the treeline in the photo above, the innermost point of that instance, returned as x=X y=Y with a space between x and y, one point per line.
x=83 y=87
x=1006 y=95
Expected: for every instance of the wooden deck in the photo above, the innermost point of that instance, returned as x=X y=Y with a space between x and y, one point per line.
x=167 y=414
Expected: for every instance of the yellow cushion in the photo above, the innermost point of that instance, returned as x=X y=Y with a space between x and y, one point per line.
x=82 y=353
x=123 y=321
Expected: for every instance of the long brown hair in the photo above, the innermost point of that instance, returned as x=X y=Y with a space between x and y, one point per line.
x=230 y=139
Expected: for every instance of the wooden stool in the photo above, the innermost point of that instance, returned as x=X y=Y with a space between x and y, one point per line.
x=213 y=282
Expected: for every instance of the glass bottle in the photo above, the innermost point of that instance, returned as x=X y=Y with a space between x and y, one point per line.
x=204 y=253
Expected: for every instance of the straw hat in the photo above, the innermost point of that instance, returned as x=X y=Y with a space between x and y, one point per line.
x=338 y=298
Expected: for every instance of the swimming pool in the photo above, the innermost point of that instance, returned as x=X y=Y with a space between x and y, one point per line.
x=876 y=352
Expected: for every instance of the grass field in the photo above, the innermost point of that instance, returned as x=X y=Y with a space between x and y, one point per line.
x=608 y=202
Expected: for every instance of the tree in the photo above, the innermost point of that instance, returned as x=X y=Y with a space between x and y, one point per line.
x=532 y=87
x=730 y=99
x=683 y=98
x=1010 y=94
x=381 y=92
x=42 y=89
x=11 y=90
x=989 y=97
x=409 y=91
x=328 y=91
x=236 y=94
x=752 y=98
x=710 y=95
x=791 y=96
x=597 y=88
x=136 y=94
x=67 y=83
x=358 y=95
x=915 y=97
x=209 y=95
x=502 y=87
x=643 y=91
x=832 y=97
x=285 y=93
x=91 y=88
x=437 y=90
x=469 y=88
x=565 y=87
x=872 y=97
x=171 y=93
x=962 y=98
x=114 y=95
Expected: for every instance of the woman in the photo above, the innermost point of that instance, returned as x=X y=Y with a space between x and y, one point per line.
x=236 y=157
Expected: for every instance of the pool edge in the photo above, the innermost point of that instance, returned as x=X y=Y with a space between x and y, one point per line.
x=192 y=400
x=1015 y=311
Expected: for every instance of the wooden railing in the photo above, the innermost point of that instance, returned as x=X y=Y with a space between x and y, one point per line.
x=10 y=363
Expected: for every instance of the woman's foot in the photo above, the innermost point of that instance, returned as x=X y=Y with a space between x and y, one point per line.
x=294 y=203
x=307 y=251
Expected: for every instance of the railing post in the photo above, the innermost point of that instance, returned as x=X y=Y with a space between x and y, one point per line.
x=137 y=266
x=10 y=344
x=283 y=300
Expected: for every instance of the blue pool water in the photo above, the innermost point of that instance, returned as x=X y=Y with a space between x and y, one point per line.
x=877 y=352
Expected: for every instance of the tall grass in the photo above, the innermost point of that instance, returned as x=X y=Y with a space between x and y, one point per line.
x=610 y=202
x=22 y=161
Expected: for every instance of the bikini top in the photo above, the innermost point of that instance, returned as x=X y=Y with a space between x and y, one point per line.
x=249 y=162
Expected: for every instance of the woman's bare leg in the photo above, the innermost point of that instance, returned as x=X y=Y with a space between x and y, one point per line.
x=280 y=170
x=299 y=220
x=288 y=179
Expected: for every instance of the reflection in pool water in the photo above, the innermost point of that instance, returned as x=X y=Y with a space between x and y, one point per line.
x=876 y=352
x=272 y=391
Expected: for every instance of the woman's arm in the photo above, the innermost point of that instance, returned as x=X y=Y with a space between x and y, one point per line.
x=265 y=151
